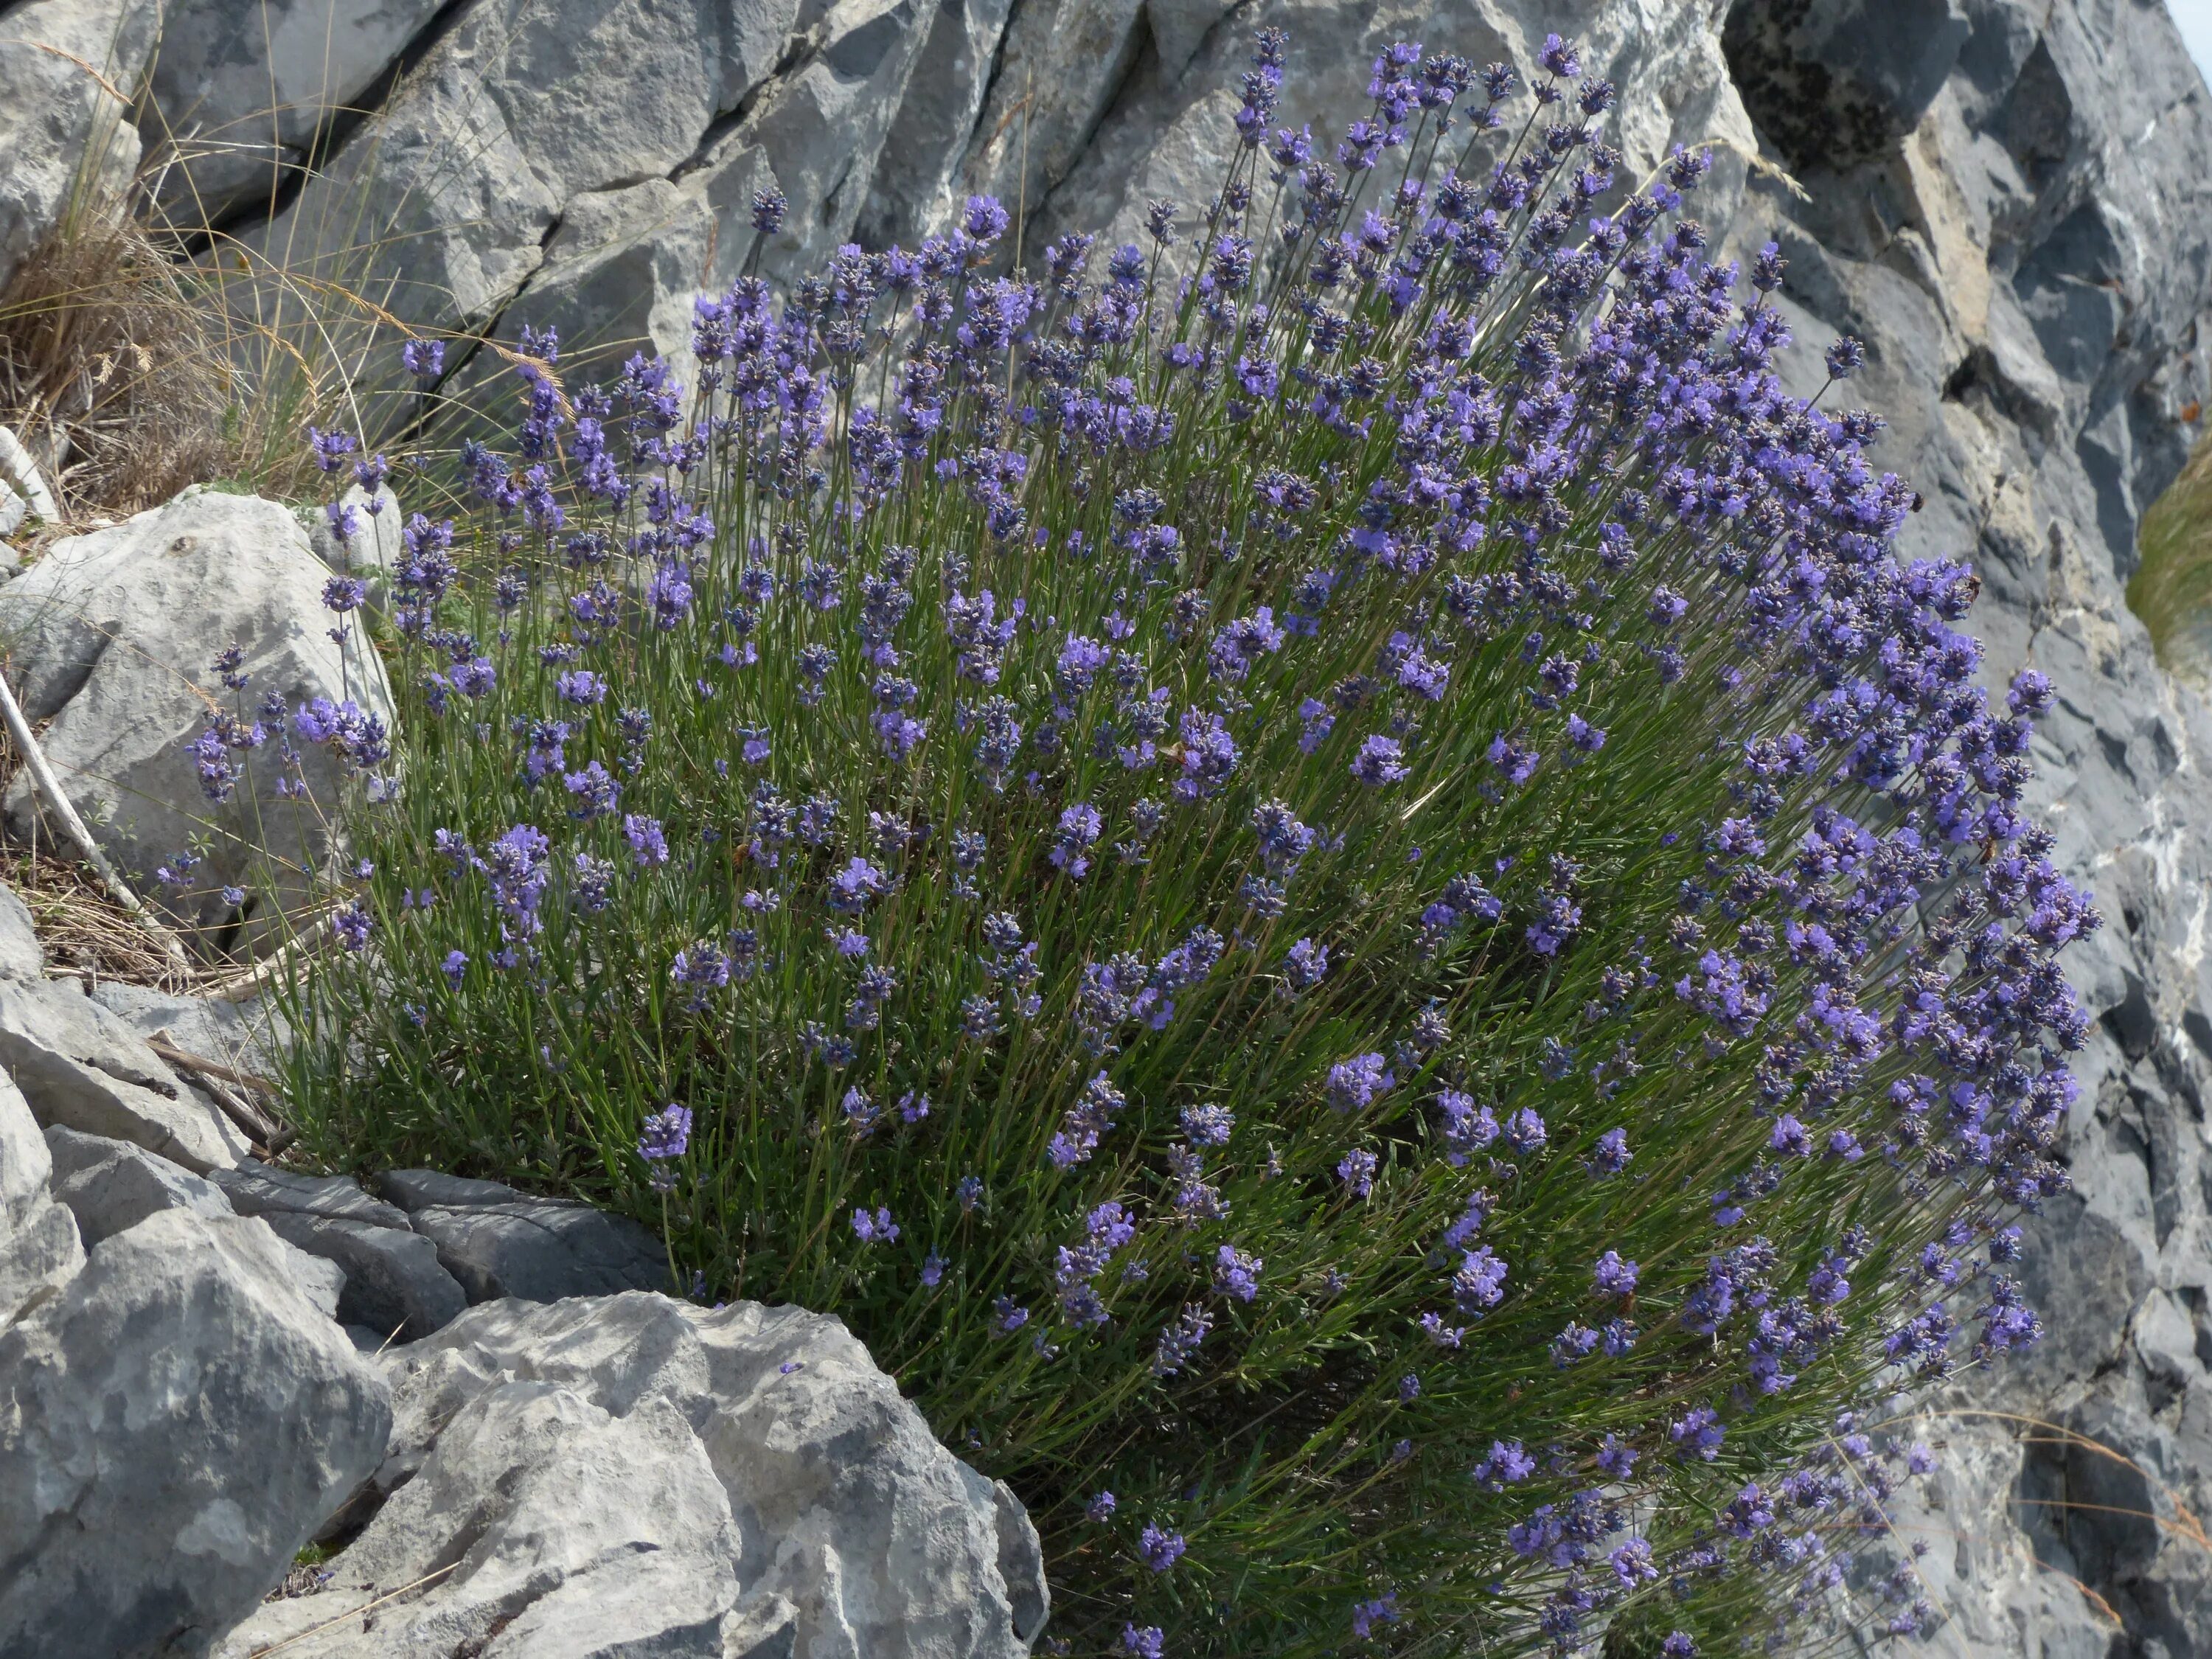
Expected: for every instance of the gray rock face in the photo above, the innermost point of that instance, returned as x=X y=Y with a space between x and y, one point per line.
x=112 y=633
x=2010 y=203
x=111 y=1186
x=412 y=1190
x=594 y=165
x=39 y=1249
x=391 y=1279
x=64 y=131
x=542 y=1252
x=631 y=1475
x=2023 y=246
x=376 y=545
x=22 y=956
x=394 y=1284
x=174 y=1425
x=247 y=1035
x=235 y=95
x=260 y=1190
x=496 y=1242
x=81 y=1067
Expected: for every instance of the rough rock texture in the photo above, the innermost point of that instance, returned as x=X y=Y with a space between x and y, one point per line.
x=237 y=93
x=631 y=1475
x=2013 y=206
x=394 y=1285
x=80 y=1065
x=66 y=68
x=22 y=956
x=2010 y=201
x=111 y=1186
x=595 y=164
x=258 y=1190
x=174 y=1425
x=376 y=544
x=112 y=633
x=247 y=1035
x=498 y=1241
x=40 y=1250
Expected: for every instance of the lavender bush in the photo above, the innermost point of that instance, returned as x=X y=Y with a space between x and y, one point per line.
x=1331 y=885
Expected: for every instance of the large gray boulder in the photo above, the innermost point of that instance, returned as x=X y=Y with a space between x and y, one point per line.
x=112 y=637
x=40 y=1250
x=68 y=69
x=174 y=1425
x=395 y=1283
x=499 y=1243
x=237 y=93
x=111 y=1186
x=80 y=1065
x=631 y=1474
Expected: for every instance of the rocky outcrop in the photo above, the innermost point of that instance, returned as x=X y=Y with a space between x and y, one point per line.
x=2006 y=199
x=68 y=71
x=112 y=637
x=2012 y=205
x=39 y=1249
x=630 y=1476
x=238 y=96
x=187 y=1405
x=176 y=1420
x=499 y=1243
x=81 y=1067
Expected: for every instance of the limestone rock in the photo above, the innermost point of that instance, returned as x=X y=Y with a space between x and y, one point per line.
x=910 y=193
x=542 y=1251
x=65 y=135
x=258 y=1188
x=498 y=1241
x=111 y=1186
x=40 y=1250
x=412 y=1190
x=22 y=956
x=394 y=1284
x=81 y=1067
x=776 y=1495
x=112 y=633
x=580 y=1533
x=247 y=1035
x=523 y=107
x=236 y=93
x=376 y=545
x=174 y=1425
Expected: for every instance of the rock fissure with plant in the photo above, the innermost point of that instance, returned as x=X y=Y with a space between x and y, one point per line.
x=1328 y=860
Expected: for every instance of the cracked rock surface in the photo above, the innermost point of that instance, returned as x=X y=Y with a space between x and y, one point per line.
x=2010 y=201
x=630 y=1474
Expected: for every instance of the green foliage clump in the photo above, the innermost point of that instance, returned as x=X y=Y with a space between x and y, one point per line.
x=1331 y=887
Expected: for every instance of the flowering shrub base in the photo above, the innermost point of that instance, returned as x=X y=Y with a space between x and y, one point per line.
x=1333 y=888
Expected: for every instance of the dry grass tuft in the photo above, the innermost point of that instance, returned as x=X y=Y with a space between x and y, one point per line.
x=83 y=930
x=110 y=371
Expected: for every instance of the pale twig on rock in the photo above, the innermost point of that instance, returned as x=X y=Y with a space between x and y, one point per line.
x=17 y=468
x=224 y=1084
x=49 y=791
